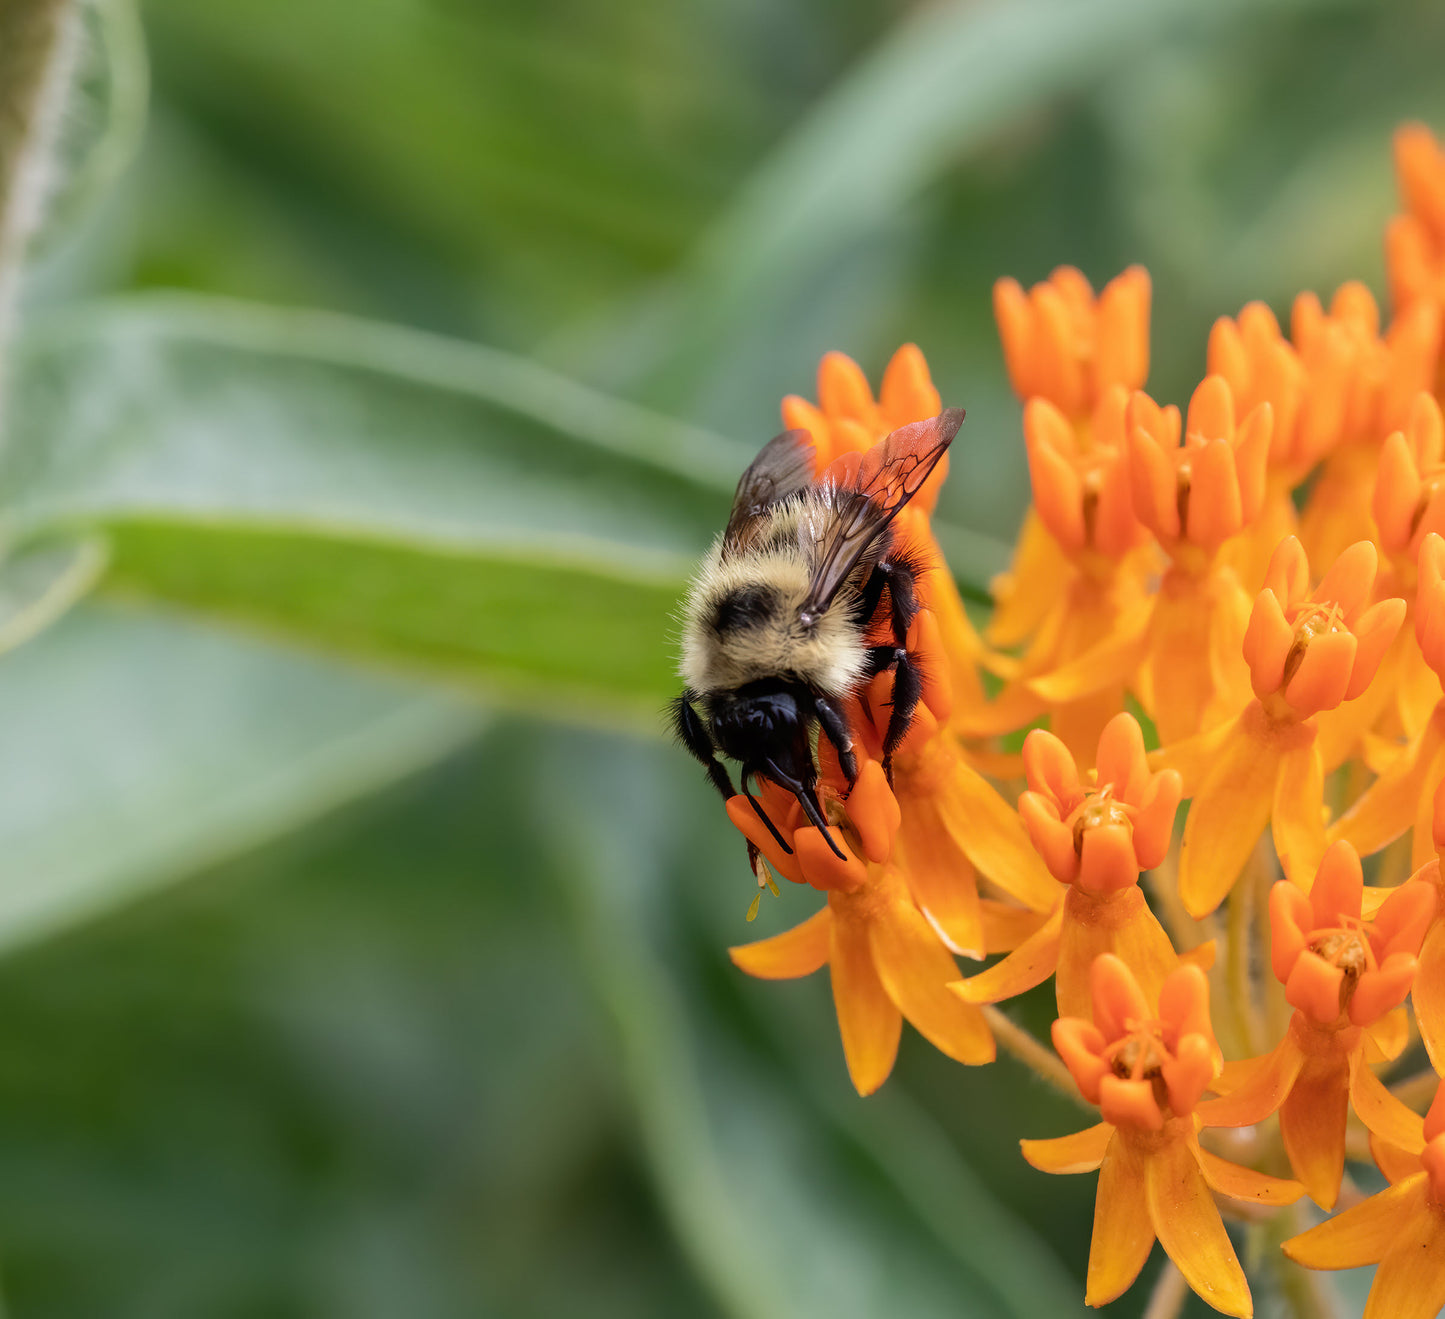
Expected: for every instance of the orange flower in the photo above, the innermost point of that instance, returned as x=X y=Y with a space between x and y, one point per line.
x=1307 y=652
x=1429 y=992
x=1342 y=974
x=1307 y=394
x=1179 y=649
x=1370 y=383
x=1095 y=840
x=848 y=419
x=1207 y=489
x=1400 y=797
x=1402 y=1229
x=1146 y=1069
x=1409 y=500
x=885 y=959
x=1063 y=343
x=1081 y=491
x=1415 y=242
x=1261 y=366
x=1081 y=495
x=1065 y=346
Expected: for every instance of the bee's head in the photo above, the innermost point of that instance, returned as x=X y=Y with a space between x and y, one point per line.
x=761 y=722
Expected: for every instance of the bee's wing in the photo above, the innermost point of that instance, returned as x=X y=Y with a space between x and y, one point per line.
x=870 y=489
x=784 y=467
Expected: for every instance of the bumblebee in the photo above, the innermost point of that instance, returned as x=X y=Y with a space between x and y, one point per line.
x=778 y=619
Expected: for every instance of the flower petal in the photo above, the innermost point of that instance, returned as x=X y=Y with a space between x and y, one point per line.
x=786 y=956
x=1395 y=1164
x=1229 y=813
x=1030 y=964
x=1080 y=1045
x=1315 y=987
x=1296 y=822
x=1378 y=992
x=1323 y=676
x=915 y=969
x=1337 y=894
x=1240 y=1183
x=1120 y=923
x=994 y=839
x=746 y=821
x=1387 y=1038
x=1267 y=642
x=1106 y=859
x=1312 y=1122
x=1375 y=629
x=867 y=1019
x=1081 y=1152
x=1123 y=1233
x=1382 y=1113
x=1129 y=1103
x=1105 y=664
x=1362 y=1233
x=1006 y=925
x=940 y=877
x=1189 y=1228
x=1053 y=840
x=1257 y=1087
x=1387 y=807
x=1410 y=1281
x=1428 y=994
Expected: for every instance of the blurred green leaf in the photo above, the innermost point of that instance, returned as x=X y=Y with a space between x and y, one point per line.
x=137 y=750
x=935 y=89
x=355 y=1074
x=371 y=490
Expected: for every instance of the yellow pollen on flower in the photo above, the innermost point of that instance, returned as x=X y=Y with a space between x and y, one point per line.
x=1314 y=621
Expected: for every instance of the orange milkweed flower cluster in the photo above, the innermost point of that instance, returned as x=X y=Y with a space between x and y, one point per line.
x=1206 y=710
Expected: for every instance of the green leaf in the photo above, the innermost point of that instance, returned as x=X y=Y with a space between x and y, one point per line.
x=372 y=490
x=138 y=750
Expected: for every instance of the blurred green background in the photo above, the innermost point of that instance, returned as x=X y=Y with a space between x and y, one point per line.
x=388 y=364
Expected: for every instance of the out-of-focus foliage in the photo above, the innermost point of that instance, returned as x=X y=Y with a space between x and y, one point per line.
x=472 y=1046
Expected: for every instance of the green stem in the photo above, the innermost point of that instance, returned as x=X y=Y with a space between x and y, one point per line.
x=1306 y=1294
x=1170 y=1292
x=1239 y=973
x=1014 y=1039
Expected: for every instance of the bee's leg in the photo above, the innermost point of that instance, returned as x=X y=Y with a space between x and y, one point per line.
x=757 y=806
x=900 y=575
x=907 y=688
x=693 y=734
x=832 y=722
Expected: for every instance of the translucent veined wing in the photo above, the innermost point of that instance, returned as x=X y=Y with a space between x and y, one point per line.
x=870 y=489
x=784 y=467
